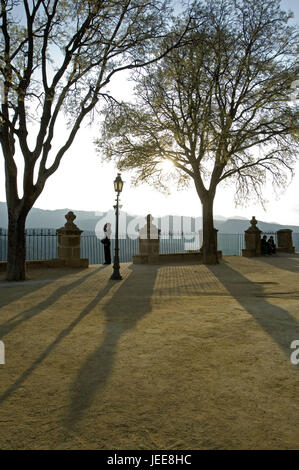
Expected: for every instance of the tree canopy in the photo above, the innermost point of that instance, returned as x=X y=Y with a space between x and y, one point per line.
x=57 y=56
x=218 y=107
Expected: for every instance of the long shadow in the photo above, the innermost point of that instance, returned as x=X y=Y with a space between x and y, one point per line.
x=31 y=312
x=62 y=335
x=17 y=290
x=277 y=322
x=278 y=260
x=128 y=306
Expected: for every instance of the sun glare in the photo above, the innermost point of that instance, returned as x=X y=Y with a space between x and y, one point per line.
x=167 y=166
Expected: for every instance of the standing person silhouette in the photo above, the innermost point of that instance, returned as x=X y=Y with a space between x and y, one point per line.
x=106 y=242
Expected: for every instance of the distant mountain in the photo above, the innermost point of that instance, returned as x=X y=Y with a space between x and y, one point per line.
x=239 y=217
x=220 y=217
x=37 y=218
x=40 y=218
x=240 y=225
x=87 y=221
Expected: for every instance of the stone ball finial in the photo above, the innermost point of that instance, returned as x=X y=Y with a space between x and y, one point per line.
x=70 y=217
x=253 y=221
x=149 y=231
x=253 y=227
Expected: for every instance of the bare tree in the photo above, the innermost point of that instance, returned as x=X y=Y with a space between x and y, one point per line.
x=217 y=108
x=58 y=55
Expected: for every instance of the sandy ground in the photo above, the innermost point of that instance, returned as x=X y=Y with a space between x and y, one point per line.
x=171 y=357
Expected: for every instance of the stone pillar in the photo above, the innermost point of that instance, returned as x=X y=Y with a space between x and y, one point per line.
x=149 y=238
x=219 y=252
x=216 y=238
x=252 y=240
x=285 y=241
x=69 y=238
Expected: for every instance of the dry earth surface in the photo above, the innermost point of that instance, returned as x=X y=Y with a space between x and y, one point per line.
x=171 y=357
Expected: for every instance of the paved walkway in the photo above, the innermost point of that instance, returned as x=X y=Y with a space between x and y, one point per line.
x=177 y=356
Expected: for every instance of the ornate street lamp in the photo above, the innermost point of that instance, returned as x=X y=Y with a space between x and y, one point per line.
x=118 y=186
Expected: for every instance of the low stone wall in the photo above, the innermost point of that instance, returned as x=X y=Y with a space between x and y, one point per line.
x=253 y=241
x=51 y=263
x=149 y=246
x=195 y=257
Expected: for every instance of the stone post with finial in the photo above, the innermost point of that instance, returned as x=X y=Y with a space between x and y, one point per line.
x=69 y=240
x=149 y=242
x=149 y=238
x=252 y=240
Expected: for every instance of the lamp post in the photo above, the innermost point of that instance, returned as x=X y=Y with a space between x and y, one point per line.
x=118 y=186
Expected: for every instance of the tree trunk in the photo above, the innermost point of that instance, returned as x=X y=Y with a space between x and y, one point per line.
x=16 y=252
x=209 y=246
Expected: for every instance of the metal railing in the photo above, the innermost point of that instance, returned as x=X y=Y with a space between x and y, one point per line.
x=42 y=244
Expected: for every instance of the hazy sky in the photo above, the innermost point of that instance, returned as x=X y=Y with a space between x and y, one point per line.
x=83 y=182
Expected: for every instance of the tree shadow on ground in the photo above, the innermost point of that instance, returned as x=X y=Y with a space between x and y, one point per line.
x=279 y=261
x=31 y=312
x=128 y=306
x=62 y=335
x=17 y=290
x=276 y=322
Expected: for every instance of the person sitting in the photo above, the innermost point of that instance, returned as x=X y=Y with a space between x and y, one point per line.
x=265 y=246
x=272 y=246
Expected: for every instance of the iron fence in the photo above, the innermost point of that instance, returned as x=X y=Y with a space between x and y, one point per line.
x=296 y=241
x=42 y=244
